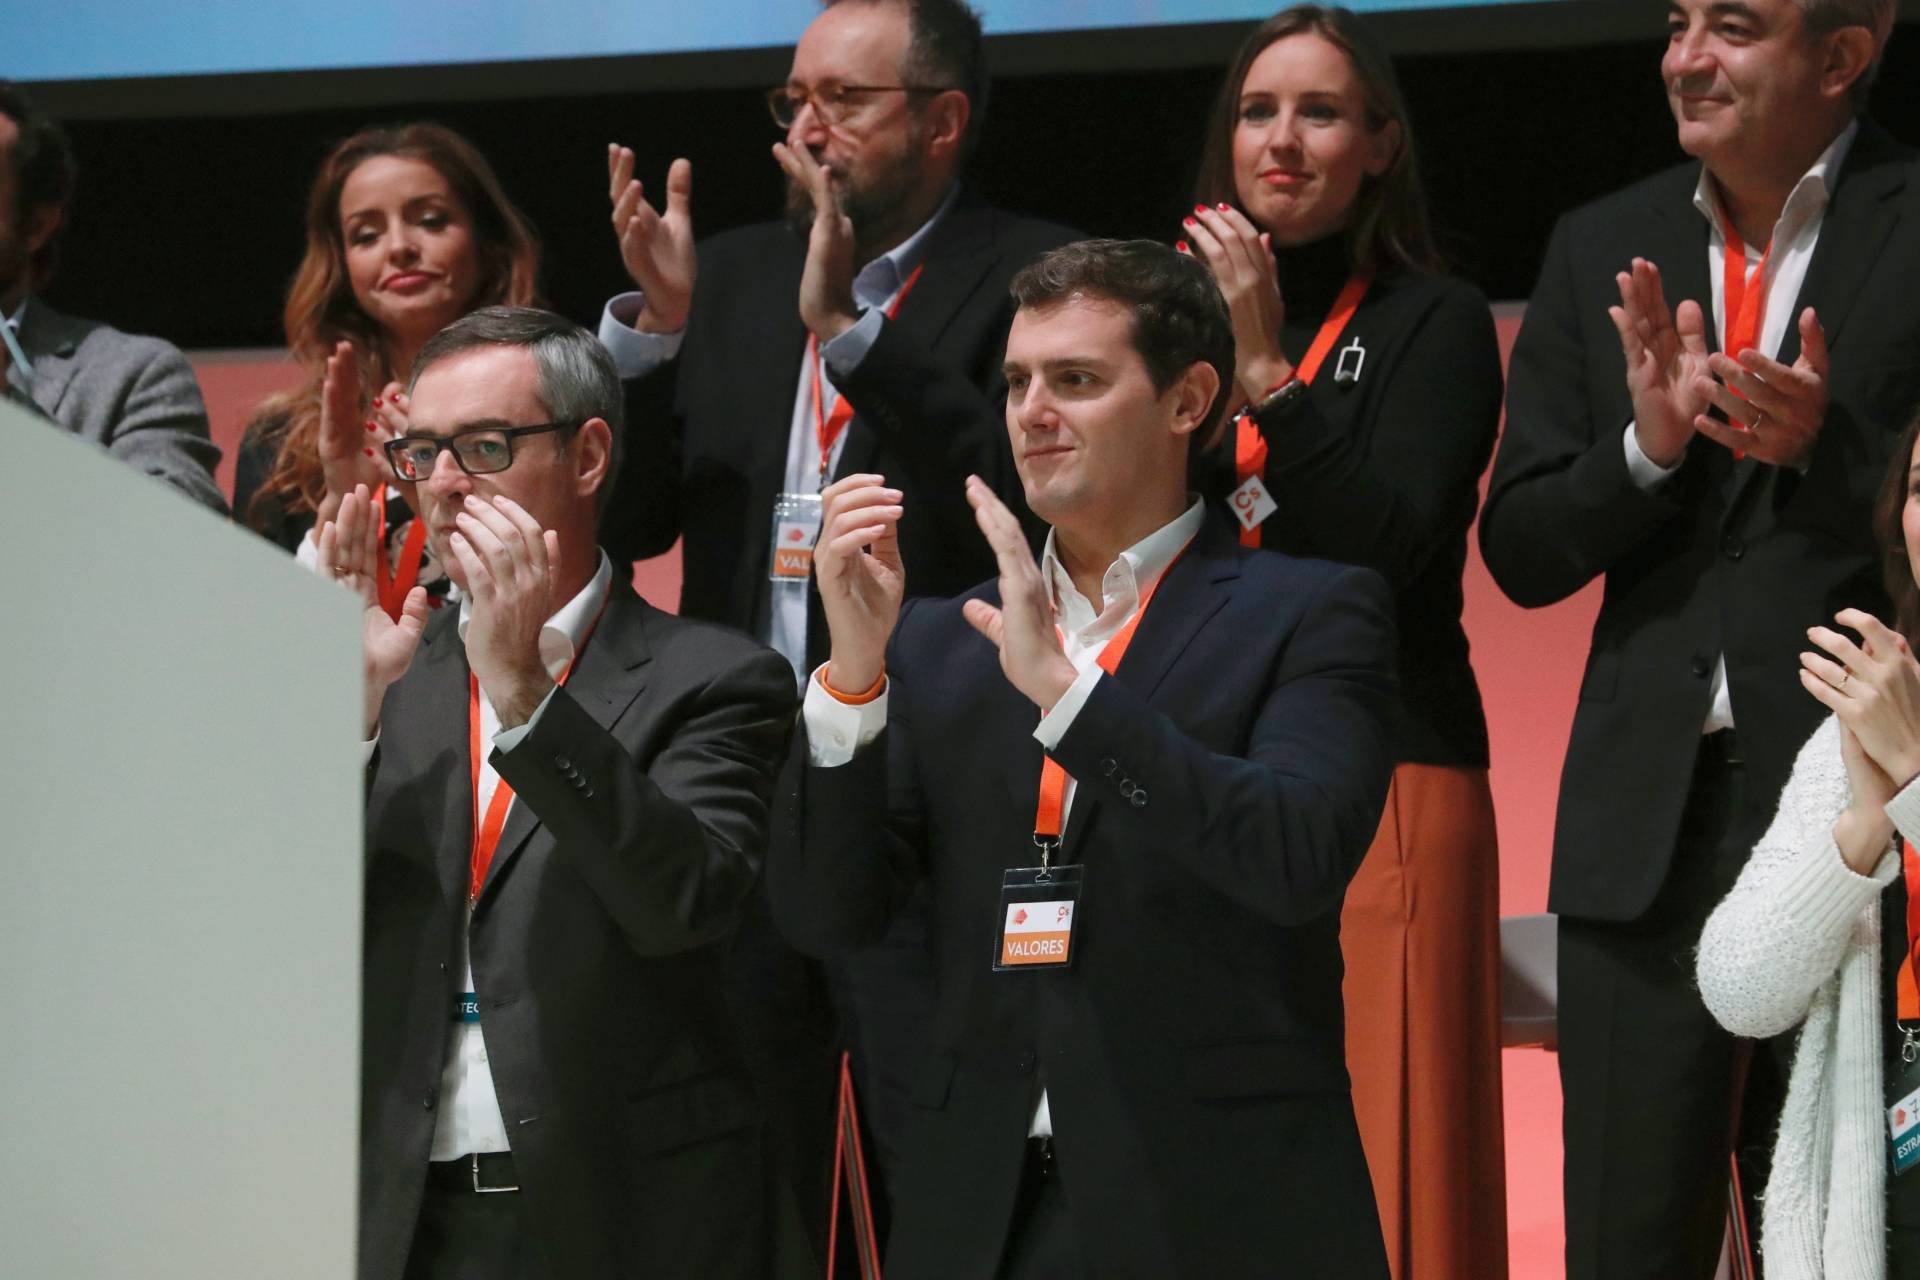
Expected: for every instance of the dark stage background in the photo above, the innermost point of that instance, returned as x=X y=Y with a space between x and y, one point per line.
x=188 y=225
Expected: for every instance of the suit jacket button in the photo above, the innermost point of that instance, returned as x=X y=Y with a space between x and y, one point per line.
x=563 y=764
x=1127 y=788
x=1025 y=1063
x=1702 y=665
x=1108 y=766
x=1732 y=546
x=426 y=1099
x=1139 y=798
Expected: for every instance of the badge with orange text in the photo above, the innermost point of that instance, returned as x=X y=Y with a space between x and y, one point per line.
x=796 y=526
x=1039 y=916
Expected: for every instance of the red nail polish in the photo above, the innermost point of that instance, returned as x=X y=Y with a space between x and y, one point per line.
x=1223 y=206
x=1199 y=208
x=370 y=425
x=1181 y=245
x=1186 y=222
x=368 y=452
x=376 y=402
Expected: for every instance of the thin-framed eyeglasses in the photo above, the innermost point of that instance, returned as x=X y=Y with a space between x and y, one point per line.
x=832 y=102
x=480 y=451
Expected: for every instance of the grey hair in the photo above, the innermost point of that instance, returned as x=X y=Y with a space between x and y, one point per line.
x=578 y=380
x=1823 y=17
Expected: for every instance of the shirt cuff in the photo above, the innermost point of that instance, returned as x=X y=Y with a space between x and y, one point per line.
x=836 y=730
x=367 y=747
x=634 y=353
x=507 y=739
x=1053 y=726
x=307 y=554
x=844 y=353
x=1645 y=471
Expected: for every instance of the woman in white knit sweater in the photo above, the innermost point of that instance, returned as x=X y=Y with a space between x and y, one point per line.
x=1817 y=923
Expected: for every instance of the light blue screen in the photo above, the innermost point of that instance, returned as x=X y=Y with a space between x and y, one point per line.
x=93 y=39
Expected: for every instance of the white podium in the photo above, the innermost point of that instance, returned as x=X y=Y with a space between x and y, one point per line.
x=180 y=875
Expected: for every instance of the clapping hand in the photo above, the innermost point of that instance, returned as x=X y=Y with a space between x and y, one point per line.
x=1873 y=688
x=1022 y=628
x=346 y=553
x=349 y=444
x=1240 y=255
x=1667 y=366
x=657 y=247
x=1774 y=411
x=856 y=565
x=826 y=284
x=509 y=568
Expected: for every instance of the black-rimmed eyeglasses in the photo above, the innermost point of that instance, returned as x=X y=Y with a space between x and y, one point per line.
x=481 y=451
x=832 y=102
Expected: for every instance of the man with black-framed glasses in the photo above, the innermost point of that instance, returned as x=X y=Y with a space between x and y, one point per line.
x=567 y=805
x=863 y=335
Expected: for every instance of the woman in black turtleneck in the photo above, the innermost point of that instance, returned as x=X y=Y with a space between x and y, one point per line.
x=1368 y=425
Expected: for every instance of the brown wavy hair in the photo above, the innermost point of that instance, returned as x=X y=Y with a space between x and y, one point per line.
x=1895 y=569
x=1389 y=226
x=321 y=309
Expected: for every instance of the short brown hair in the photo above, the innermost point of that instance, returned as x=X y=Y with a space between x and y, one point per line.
x=1179 y=318
x=1888 y=509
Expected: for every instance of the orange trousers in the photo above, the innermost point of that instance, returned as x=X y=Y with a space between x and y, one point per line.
x=1421 y=935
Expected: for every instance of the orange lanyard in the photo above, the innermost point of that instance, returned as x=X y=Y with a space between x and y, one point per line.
x=1740 y=293
x=1740 y=297
x=827 y=427
x=394 y=586
x=1047 y=819
x=1249 y=446
x=1906 y=989
x=486 y=831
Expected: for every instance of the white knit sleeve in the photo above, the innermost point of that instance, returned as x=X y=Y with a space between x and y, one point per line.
x=1782 y=929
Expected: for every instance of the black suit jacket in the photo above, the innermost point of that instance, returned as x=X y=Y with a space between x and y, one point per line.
x=1726 y=557
x=707 y=431
x=1231 y=775
x=597 y=946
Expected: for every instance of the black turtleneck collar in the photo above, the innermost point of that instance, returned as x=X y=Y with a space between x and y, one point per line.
x=1311 y=275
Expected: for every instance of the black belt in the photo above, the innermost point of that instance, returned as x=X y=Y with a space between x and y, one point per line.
x=1721 y=747
x=481 y=1173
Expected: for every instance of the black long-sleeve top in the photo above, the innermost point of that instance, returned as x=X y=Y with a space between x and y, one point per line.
x=1385 y=471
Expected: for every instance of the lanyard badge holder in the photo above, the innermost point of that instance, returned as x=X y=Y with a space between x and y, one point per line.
x=1039 y=909
x=1250 y=503
x=1903 y=1117
x=796 y=516
x=1040 y=906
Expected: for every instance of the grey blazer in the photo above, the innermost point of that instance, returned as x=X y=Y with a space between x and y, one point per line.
x=134 y=396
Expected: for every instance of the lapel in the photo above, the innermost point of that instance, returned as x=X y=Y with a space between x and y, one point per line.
x=953 y=269
x=606 y=678
x=1860 y=216
x=441 y=713
x=1196 y=587
x=767 y=325
x=50 y=341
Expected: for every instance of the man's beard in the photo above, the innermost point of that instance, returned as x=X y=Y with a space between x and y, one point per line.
x=874 y=206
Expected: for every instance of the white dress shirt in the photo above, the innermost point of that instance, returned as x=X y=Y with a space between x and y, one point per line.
x=1795 y=235
x=19 y=368
x=875 y=288
x=469 y=1117
x=836 y=730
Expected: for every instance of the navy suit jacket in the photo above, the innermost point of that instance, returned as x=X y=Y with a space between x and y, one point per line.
x=1230 y=776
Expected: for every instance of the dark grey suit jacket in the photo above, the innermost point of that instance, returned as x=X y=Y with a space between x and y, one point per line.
x=598 y=945
x=134 y=396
